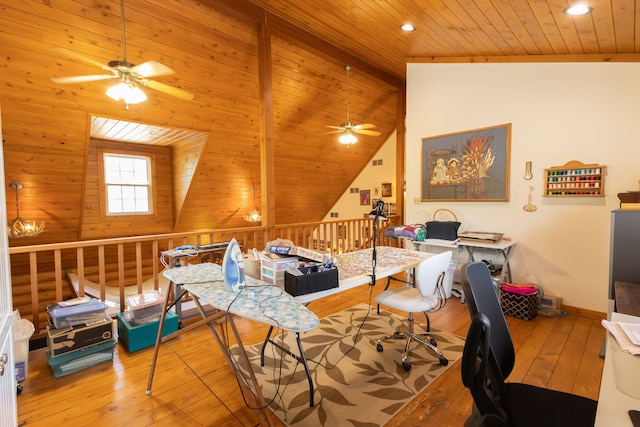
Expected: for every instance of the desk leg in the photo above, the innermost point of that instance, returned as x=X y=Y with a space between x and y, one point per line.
x=506 y=267
x=505 y=274
x=264 y=345
x=301 y=358
x=306 y=368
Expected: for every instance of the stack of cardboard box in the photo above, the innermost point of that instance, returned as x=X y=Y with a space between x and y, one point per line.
x=80 y=334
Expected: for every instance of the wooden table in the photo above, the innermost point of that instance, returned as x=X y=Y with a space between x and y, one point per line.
x=627 y=298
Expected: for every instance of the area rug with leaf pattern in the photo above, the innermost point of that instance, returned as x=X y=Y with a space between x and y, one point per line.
x=354 y=383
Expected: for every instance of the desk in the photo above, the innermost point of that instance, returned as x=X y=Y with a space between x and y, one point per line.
x=269 y=305
x=612 y=403
x=355 y=268
x=472 y=247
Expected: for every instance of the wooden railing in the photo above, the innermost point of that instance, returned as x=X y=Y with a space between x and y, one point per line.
x=39 y=272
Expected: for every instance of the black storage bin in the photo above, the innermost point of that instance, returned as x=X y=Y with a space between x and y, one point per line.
x=310 y=281
x=521 y=307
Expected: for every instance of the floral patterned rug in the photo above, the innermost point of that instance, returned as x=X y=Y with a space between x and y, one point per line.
x=354 y=384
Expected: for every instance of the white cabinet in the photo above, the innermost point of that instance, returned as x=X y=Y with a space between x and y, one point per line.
x=8 y=407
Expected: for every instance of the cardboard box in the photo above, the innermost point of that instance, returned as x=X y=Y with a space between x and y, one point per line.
x=82 y=359
x=137 y=337
x=312 y=254
x=74 y=338
x=310 y=281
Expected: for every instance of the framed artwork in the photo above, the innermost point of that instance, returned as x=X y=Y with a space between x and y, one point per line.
x=469 y=166
x=386 y=189
x=365 y=197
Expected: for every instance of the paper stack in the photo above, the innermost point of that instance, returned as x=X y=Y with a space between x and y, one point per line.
x=627 y=335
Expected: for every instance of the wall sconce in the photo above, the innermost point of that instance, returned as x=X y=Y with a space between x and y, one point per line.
x=527 y=171
x=20 y=227
x=254 y=215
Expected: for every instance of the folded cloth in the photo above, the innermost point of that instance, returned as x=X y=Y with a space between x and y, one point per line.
x=521 y=289
x=409 y=231
x=393 y=232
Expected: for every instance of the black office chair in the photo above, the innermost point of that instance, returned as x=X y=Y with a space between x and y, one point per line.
x=489 y=352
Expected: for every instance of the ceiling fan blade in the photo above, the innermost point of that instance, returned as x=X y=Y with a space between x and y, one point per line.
x=364 y=126
x=333 y=131
x=171 y=90
x=81 y=57
x=367 y=132
x=152 y=69
x=80 y=79
x=335 y=127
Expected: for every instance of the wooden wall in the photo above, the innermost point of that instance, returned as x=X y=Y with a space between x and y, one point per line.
x=220 y=55
x=96 y=225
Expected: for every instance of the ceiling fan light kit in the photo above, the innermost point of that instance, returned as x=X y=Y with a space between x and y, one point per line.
x=130 y=76
x=347 y=138
x=347 y=128
x=127 y=91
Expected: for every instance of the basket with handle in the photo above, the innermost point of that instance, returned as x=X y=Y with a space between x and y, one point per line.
x=446 y=215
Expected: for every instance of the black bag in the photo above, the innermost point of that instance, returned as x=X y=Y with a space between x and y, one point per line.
x=442 y=230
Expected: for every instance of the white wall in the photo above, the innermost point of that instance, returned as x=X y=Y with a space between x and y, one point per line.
x=371 y=178
x=559 y=112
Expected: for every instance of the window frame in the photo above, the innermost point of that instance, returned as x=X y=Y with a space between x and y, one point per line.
x=150 y=157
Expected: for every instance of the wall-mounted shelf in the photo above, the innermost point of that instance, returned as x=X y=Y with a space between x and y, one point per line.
x=574 y=179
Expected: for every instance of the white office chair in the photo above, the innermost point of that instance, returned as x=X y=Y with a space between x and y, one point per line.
x=427 y=295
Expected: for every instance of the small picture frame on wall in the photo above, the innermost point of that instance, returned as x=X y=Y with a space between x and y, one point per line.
x=386 y=189
x=365 y=197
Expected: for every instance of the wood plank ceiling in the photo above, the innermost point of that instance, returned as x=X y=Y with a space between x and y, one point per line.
x=466 y=30
x=271 y=77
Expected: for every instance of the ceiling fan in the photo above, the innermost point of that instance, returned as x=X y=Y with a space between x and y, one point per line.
x=347 y=128
x=128 y=74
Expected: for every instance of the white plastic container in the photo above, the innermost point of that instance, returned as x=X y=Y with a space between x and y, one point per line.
x=144 y=308
x=448 y=278
x=627 y=370
x=22 y=332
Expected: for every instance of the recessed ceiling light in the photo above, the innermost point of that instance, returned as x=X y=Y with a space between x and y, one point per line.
x=408 y=27
x=578 y=9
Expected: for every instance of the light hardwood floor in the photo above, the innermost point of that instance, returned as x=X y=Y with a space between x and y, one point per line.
x=193 y=385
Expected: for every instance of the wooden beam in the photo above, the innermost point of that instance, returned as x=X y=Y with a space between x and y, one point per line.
x=295 y=34
x=618 y=57
x=400 y=154
x=266 y=130
x=249 y=12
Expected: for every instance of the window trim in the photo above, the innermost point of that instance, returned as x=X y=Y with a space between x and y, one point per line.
x=151 y=159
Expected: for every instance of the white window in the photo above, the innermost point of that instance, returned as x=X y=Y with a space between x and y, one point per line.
x=128 y=184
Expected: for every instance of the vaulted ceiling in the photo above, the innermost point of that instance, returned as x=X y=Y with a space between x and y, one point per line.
x=268 y=77
x=466 y=30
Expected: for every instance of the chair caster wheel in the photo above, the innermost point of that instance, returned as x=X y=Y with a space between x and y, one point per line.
x=397 y=332
x=433 y=342
x=444 y=362
x=406 y=366
x=379 y=347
